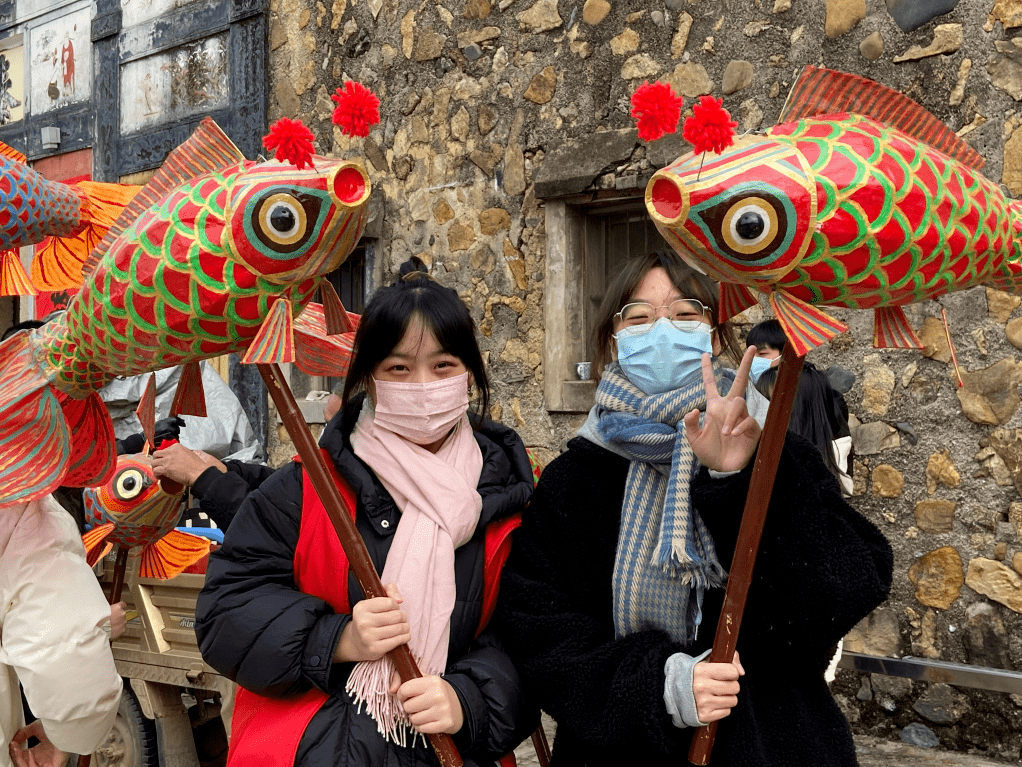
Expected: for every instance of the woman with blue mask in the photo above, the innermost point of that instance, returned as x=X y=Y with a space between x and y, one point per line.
x=610 y=598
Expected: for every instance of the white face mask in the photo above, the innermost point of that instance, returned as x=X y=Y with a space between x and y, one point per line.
x=421 y=412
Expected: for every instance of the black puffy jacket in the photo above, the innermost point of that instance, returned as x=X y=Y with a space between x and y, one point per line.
x=255 y=627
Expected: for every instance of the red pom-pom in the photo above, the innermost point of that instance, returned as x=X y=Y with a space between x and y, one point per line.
x=710 y=128
x=357 y=109
x=291 y=141
x=656 y=109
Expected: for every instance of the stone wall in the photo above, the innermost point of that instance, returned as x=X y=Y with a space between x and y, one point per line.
x=477 y=93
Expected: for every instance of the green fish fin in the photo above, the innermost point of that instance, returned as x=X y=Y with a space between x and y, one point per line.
x=275 y=341
x=190 y=397
x=146 y=410
x=805 y=326
x=172 y=554
x=338 y=320
x=318 y=353
x=208 y=149
x=35 y=445
x=820 y=91
x=891 y=329
x=734 y=299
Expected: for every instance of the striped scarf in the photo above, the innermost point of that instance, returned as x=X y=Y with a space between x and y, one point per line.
x=665 y=555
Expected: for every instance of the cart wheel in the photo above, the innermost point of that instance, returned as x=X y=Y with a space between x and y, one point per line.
x=132 y=740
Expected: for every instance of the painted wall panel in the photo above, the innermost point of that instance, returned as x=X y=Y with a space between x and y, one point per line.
x=12 y=85
x=61 y=62
x=170 y=86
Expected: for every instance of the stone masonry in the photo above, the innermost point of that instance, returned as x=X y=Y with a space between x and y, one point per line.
x=477 y=94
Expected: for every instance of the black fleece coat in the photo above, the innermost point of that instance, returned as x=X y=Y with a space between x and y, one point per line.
x=821 y=567
x=221 y=494
x=255 y=627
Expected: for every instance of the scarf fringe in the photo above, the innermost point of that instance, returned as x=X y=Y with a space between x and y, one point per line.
x=369 y=687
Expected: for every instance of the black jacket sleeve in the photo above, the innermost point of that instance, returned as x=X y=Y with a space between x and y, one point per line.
x=253 y=624
x=221 y=494
x=492 y=695
x=821 y=566
x=555 y=611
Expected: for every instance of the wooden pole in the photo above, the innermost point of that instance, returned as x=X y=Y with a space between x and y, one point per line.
x=116 y=587
x=761 y=486
x=358 y=557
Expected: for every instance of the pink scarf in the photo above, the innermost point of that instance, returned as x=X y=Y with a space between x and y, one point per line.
x=436 y=493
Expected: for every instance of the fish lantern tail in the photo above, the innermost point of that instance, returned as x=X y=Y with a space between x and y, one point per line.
x=47 y=439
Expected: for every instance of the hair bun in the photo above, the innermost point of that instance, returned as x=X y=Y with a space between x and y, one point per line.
x=412 y=265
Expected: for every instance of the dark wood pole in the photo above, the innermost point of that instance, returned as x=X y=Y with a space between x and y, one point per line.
x=347 y=533
x=761 y=486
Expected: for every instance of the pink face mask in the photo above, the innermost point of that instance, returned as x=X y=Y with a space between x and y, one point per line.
x=421 y=412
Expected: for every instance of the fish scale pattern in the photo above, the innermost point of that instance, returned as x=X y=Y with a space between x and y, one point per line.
x=33 y=208
x=898 y=221
x=165 y=293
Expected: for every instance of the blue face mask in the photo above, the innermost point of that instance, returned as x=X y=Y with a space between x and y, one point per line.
x=665 y=355
x=760 y=365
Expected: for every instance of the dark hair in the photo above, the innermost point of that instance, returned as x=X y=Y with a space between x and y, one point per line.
x=689 y=282
x=26 y=325
x=815 y=413
x=767 y=333
x=390 y=312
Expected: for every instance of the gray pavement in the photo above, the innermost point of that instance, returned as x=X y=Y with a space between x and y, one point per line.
x=872 y=752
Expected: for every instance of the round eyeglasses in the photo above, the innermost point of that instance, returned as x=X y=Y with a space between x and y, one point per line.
x=680 y=310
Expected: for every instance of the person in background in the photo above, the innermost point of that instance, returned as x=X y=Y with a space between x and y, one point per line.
x=52 y=613
x=429 y=481
x=820 y=413
x=613 y=589
x=219 y=486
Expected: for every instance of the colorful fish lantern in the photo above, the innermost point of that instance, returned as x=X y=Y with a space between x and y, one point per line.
x=859 y=198
x=133 y=510
x=68 y=219
x=216 y=254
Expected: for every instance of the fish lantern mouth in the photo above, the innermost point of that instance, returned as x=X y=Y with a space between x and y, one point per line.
x=170 y=486
x=350 y=184
x=666 y=199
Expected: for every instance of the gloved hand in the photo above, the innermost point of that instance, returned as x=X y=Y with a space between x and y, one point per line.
x=168 y=429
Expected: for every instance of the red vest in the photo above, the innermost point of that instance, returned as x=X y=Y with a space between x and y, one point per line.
x=265 y=732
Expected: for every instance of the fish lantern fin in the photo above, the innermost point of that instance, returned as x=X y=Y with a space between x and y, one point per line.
x=820 y=91
x=58 y=261
x=805 y=326
x=14 y=280
x=337 y=319
x=96 y=546
x=93 y=443
x=275 y=342
x=190 y=397
x=734 y=299
x=318 y=353
x=208 y=149
x=146 y=410
x=12 y=154
x=35 y=446
x=172 y=554
x=891 y=329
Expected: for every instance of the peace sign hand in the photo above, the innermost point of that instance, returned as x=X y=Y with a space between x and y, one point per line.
x=728 y=437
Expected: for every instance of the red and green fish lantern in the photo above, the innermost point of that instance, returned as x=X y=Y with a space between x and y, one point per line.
x=216 y=254
x=858 y=198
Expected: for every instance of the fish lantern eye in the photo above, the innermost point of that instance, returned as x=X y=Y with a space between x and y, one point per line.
x=281 y=220
x=749 y=226
x=129 y=484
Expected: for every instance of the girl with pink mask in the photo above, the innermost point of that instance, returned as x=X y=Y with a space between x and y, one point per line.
x=433 y=483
